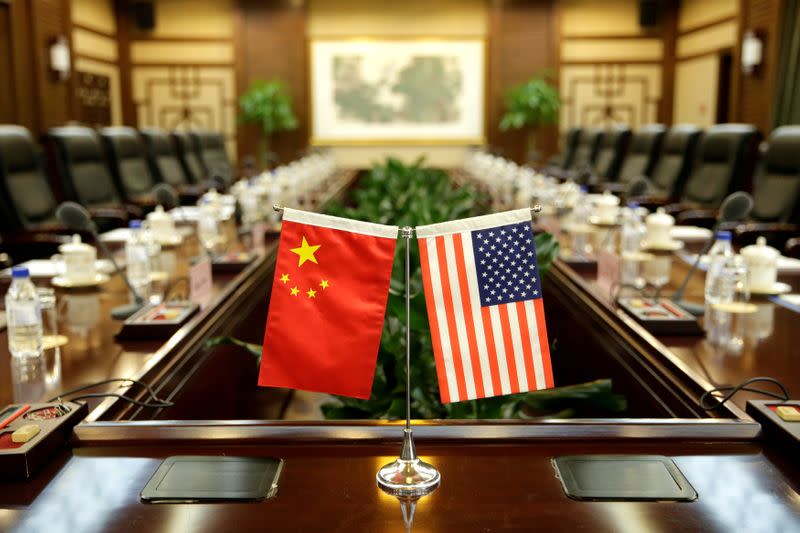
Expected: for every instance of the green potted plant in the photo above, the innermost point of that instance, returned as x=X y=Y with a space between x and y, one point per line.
x=268 y=105
x=530 y=105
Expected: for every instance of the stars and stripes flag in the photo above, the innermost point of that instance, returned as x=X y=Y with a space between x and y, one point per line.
x=484 y=298
x=327 y=304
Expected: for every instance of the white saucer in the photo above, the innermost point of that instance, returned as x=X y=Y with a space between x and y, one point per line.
x=64 y=283
x=604 y=222
x=170 y=241
x=663 y=247
x=778 y=288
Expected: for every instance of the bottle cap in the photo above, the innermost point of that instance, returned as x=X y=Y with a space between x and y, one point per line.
x=724 y=236
x=135 y=224
x=20 y=272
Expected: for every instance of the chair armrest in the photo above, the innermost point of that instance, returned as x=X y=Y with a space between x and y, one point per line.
x=110 y=213
x=651 y=202
x=792 y=248
x=704 y=218
x=24 y=245
x=777 y=233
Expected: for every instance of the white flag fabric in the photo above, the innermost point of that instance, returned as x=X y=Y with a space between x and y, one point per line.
x=484 y=298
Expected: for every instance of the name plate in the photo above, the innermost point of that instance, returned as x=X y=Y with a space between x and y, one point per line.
x=200 y=281
x=608 y=268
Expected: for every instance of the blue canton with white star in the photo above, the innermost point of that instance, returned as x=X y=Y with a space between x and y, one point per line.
x=505 y=260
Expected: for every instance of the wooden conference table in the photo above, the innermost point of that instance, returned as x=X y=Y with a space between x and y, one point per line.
x=497 y=476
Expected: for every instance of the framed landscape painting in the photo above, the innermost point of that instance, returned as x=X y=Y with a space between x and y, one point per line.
x=398 y=91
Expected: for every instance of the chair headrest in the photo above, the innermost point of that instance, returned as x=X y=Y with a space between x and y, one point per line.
x=80 y=143
x=783 y=150
x=679 y=137
x=124 y=140
x=644 y=139
x=612 y=137
x=17 y=149
x=158 y=140
x=722 y=141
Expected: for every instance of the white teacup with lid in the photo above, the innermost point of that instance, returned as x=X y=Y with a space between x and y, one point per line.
x=79 y=260
x=762 y=262
x=161 y=224
x=607 y=207
x=659 y=225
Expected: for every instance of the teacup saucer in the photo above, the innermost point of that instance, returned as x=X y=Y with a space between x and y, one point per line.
x=169 y=241
x=65 y=283
x=604 y=222
x=777 y=288
x=663 y=246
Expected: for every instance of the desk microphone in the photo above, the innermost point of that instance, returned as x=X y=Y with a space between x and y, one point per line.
x=734 y=208
x=165 y=195
x=76 y=217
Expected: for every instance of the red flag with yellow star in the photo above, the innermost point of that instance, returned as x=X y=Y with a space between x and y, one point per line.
x=327 y=304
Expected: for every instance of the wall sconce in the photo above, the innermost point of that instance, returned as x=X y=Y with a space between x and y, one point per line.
x=752 y=51
x=60 y=58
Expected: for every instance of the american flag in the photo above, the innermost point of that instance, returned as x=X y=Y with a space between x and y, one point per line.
x=484 y=297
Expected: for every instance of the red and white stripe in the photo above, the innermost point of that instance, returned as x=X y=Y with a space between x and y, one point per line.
x=479 y=351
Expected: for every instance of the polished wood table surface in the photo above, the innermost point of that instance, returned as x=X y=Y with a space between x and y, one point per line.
x=328 y=484
x=771 y=334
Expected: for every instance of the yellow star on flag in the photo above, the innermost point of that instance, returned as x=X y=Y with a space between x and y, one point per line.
x=311 y=293
x=306 y=252
x=295 y=291
x=324 y=284
x=285 y=278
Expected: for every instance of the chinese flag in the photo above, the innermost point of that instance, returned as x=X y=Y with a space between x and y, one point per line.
x=327 y=304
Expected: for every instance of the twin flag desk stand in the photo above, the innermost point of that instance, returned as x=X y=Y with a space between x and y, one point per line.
x=484 y=301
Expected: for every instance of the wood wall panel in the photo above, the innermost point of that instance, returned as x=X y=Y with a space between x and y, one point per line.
x=522 y=42
x=26 y=78
x=756 y=90
x=50 y=19
x=272 y=43
x=7 y=96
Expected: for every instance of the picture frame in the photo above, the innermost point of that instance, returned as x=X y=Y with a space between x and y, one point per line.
x=397 y=91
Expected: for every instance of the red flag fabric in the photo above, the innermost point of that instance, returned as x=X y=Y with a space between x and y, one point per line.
x=327 y=304
x=484 y=297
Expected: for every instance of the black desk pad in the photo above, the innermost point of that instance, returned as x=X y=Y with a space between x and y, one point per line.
x=191 y=478
x=622 y=478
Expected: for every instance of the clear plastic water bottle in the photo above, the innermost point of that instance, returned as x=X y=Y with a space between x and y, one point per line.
x=633 y=233
x=23 y=316
x=137 y=255
x=724 y=317
x=579 y=220
x=208 y=227
x=720 y=252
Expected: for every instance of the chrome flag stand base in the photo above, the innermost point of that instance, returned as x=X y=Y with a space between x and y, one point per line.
x=408 y=475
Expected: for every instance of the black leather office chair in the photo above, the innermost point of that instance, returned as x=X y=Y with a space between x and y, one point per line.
x=28 y=227
x=165 y=166
x=214 y=155
x=569 y=141
x=586 y=149
x=776 y=196
x=640 y=160
x=188 y=157
x=27 y=196
x=85 y=176
x=674 y=162
x=126 y=158
x=610 y=152
x=724 y=156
